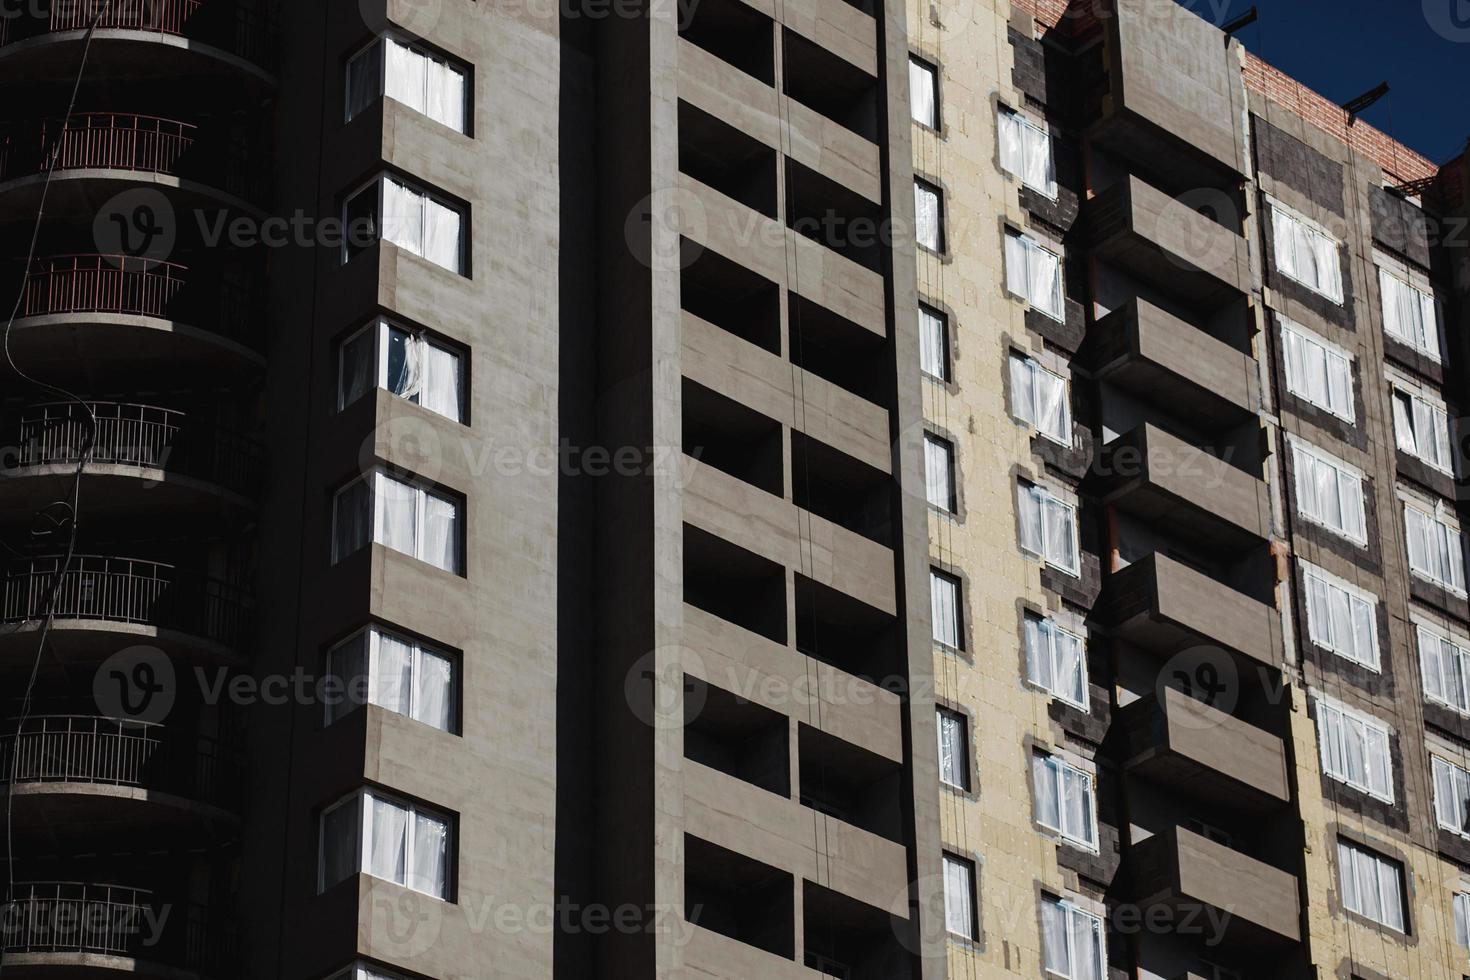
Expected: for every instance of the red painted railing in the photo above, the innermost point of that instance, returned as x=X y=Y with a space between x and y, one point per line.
x=97 y=140
x=229 y=24
x=102 y=284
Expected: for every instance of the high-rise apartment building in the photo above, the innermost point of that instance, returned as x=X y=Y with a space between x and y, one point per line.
x=723 y=489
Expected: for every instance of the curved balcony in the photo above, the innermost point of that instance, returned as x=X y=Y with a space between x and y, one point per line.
x=141 y=458
x=69 y=774
x=102 y=604
x=91 y=930
x=198 y=169
x=143 y=39
x=129 y=318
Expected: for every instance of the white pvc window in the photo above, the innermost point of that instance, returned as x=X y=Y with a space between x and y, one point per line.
x=1306 y=254
x=1039 y=396
x=1071 y=941
x=1329 y=492
x=1025 y=152
x=409 y=74
x=954 y=748
x=1462 y=918
x=1421 y=427
x=1355 y=750
x=928 y=216
x=1451 y=796
x=372 y=834
x=959 y=896
x=407 y=363
x=1444 y=664
x=1435 y=550
x=395 y=673
x=1372 y=885
x=1056 y=661
x=396 y=514
x=944 y=598
x=1048 y=528
x=1064 y=800
x=1410 y=314
x=1034 y=273
x=923 y=93
x=939 y=482
x=934 y=343
x=413 y=219
x=1318 y=372
x=1341 y=618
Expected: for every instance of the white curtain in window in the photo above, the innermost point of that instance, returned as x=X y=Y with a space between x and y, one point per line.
x=1410 y=314
x=1435 y=550
x=922 y=101
x=944 y=597
x=387 y=842
x=1039 y=662
x=939 y=473
x=433 y=696
x=948 y=726
x=364 y=79
x=405 y=363
x=933 y=344
x=1012 y=151
x=353 y=519
x=927 y=230
x=395 y=509
x=1341 y=620
x=1329 y=493
x=441 y=533
x=441 y=391
x=1038 y=172
x=1443 y=666
x=1086 y=938
x=1321 y=375
x=392 y=673
x=1451 y=796
x=1372 y=885
x=1045 y=278
x=1283 y=236
x=442 y=235
x=1023 y=388
x=1077 y=805
x=959 y=890
x=1018 y=280
x=1403 y=423
x=1059 y=523
x=1329 y=268
x=446 y=95
x=1048 y=787
x=428 y=872
x=1355 y=751
x=1028 y=509
x=1071 y=666
x=1055 y=942
x=1462 y=919
x=1421 y=429
x=1053 y=414
x=403 y=216
x=406 y=75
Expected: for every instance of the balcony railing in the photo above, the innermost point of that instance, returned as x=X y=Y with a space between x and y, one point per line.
x=117 y=752
x=227 y=24
x=136 y=286
x=136 y=435
x=126 y=590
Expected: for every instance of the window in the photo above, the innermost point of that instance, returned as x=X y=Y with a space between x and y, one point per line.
x=1329 y=492
x=1040 y=397
x=1306 y=254
x=361 y=971
x=1340 y=617
x=1064 y=800
x=924 y=93
x=1056 y=661
x=410 y=218
x=1071 y=941
x=1317 y=371
x=1422 y=428
x=1025 y=152
x=372 y=834
x=934 y=343
x=954 y=749
x=1434 y=549
x=1372 y=885
x=406 y=363
x=959 y=896
x=1048 y=528
x=1034 y=273
x=1355 y=750
x=1451 y=796
x=1462 y=918
x=939 y=484
x=395 y=673
x=1444 y=664
x=944 y=597
x=399 y=515
x=407 y=73
x=928 y=216
x=1410 y=314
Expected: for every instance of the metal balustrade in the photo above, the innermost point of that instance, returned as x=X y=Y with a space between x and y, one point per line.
x=125 y=590
x=233 y=26
x=96 y=140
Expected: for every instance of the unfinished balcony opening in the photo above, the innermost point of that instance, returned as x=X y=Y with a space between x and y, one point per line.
x=730 y=296
x=732 y=31
x=850 y=784
x=832 y=215
x=849 y=493
x=848 y=634
x=734 y=439
x=739 y=897
x=721 y=156
x=734 y=584
x=833 y=86
x=738 y=737
x=851 y=940
x=836 y=349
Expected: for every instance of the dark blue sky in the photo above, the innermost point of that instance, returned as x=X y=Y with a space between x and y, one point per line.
x=1343 y=48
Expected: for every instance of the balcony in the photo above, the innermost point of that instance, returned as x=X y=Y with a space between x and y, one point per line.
x=1204 y=752
x=1163 y=605
x=69 y=774
x=74 y=929
x=1182 y=870
x=1182 y=490
x=101 y=600
x=1167 y=244
x=1176 y=366
x=95 y=147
